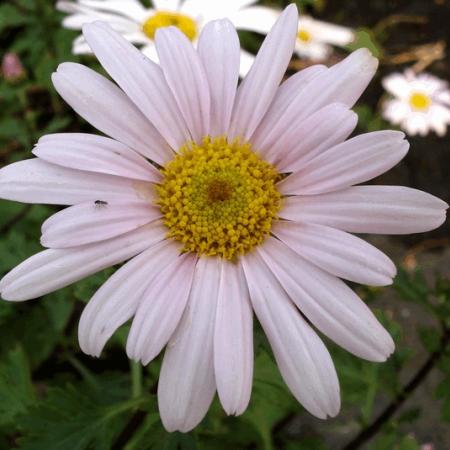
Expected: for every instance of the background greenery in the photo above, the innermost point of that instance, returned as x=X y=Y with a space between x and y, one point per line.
x=52 y=397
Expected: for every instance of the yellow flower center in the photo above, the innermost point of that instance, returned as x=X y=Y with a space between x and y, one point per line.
x=419 y=101
x=166 y=19
x=219 y=198
x=304 y=36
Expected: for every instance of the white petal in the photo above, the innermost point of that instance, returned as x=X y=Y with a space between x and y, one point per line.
x=313 y=50
x=233 y=340
x=256 y=18
x=108 y=109
x=36 y=181
x=397 y=85
x=337 y=252
x=130 y=8
x=119 y=297
x=302 y=358
x=328 y=303
x=357 y=160
x=186 y=382
x=186 y=78
x=246 y=61
x=142 y=80
x=370 y=209
x=167 y=5
x=326 y=32
x=160 y=310
x=91 y=222
x=219 y=51
x=95 y=154
x=54 y=269
x=257 y=90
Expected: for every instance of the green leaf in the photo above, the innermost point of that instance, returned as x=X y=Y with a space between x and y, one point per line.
x=364 y=38
x=79 y=416
x=11 y=17
x=408 y=443
x=16 y=389
x=270 y=401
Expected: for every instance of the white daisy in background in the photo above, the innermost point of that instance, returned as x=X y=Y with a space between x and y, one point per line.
x=138 y=24
x=420 y=103
x=225 y=199
x=314 y=37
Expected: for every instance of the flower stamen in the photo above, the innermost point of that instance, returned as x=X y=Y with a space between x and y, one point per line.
x=304 y=36
x=419 y=101
x=219 y=198
x=163 y=19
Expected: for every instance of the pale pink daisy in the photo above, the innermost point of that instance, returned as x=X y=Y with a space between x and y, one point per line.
x=139 y=24
x=420 y=103
x=227 y=200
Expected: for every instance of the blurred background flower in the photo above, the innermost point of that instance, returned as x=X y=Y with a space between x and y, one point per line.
x=420 y=103
x=138 y=24
x=12 y=68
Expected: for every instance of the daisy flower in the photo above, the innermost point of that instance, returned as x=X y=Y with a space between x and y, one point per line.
x=314 y=37
x=420 y=103
x=138 y=24
x=225 y=200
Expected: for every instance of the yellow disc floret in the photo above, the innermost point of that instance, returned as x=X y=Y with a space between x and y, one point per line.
x=163 y=19
x=419 y=101
x=304 y=36
x=219 y=198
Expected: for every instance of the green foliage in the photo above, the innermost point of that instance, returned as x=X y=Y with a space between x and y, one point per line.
x=79 y=416
x=16 y=388
x=364 y=38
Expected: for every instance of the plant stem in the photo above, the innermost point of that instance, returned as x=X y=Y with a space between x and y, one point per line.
x=370 y=431
x=136 y=379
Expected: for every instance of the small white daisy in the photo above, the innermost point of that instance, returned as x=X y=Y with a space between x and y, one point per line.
x=420 y=103
x=314 y=38
x=138 y=24
x=226 y=200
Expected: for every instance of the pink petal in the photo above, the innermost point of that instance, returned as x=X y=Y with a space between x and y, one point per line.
x=186 y=78
x=258 y=89
x=54 y=269
x=233 y=340
x=108 y=109
x=328 y=303
x=300 y=98
x=219 y=51
x=36 y=181
x=357 y=160
x=369 y=209
x=95 y=154
x=342 y=83
x=302 y=358
x=142 y=80
x=119 y=297
x=91 y=222
x=333 y=125
x=161 y=308
x=186 y=383
x=285 y=95
x=337 y=252
x=300 y=139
